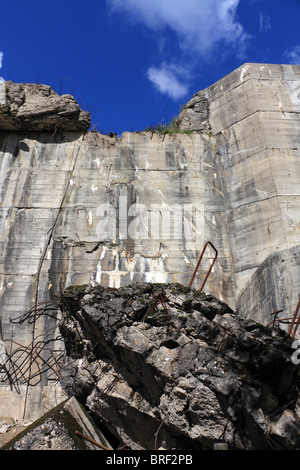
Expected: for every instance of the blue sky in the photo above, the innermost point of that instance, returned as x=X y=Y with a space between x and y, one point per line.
x=134 y=63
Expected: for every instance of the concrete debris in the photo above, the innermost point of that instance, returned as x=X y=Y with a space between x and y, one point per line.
x=60 y=429
x=195 y=114
x=36 y=107
x=187 y=373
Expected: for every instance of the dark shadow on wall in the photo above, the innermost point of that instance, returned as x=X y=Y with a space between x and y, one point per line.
x=16 y=142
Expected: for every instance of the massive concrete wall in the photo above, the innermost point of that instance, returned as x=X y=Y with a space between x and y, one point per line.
x=86 y=208
x=163 y=199
x=255 y=111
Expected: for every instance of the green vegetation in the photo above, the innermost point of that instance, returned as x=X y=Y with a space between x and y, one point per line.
x=169 y=128
x=183 y=106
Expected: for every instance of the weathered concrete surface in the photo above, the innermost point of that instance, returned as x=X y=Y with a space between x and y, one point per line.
x=254 y=115
x=35 y=107
x=195 y=114
x=53 y=192
x=185 y=373
x=276 y=283
x=235 y=179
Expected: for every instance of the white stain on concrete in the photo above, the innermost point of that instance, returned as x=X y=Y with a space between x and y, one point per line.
x=94 y=188
x=97 y=161
x=90 y=218
x=244 y=72
x=99 y=266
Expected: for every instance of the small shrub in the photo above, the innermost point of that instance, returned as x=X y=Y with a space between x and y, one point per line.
x=170 y=128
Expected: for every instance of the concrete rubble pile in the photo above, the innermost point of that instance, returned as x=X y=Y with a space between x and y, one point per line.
x=65 y=427
x=168 y=367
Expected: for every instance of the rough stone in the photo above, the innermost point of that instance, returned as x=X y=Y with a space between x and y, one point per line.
x=195 y=114
x=172 y=368
x=36 y=107
x=57 y=430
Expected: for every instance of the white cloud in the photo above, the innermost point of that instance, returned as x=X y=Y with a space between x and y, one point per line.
x=264 y=22
x=1 y=58
x=168 y=79
x=199 y=24
x=202 y=29
x=293 y=56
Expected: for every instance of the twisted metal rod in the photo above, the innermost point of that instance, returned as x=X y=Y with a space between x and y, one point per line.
x=27 y=364
x=199 y=261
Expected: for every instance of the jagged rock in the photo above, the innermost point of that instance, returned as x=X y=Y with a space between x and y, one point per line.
x=195 y=114
x=35 y=107
x=169 y=367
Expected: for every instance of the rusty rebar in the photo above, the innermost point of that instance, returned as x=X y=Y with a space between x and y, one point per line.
x=293 y=321
x=199 y=261
x=87 y=438
x=157 y=301
x=19 y=363
x=156 y=435
x=275 y=317
x=36 y=311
